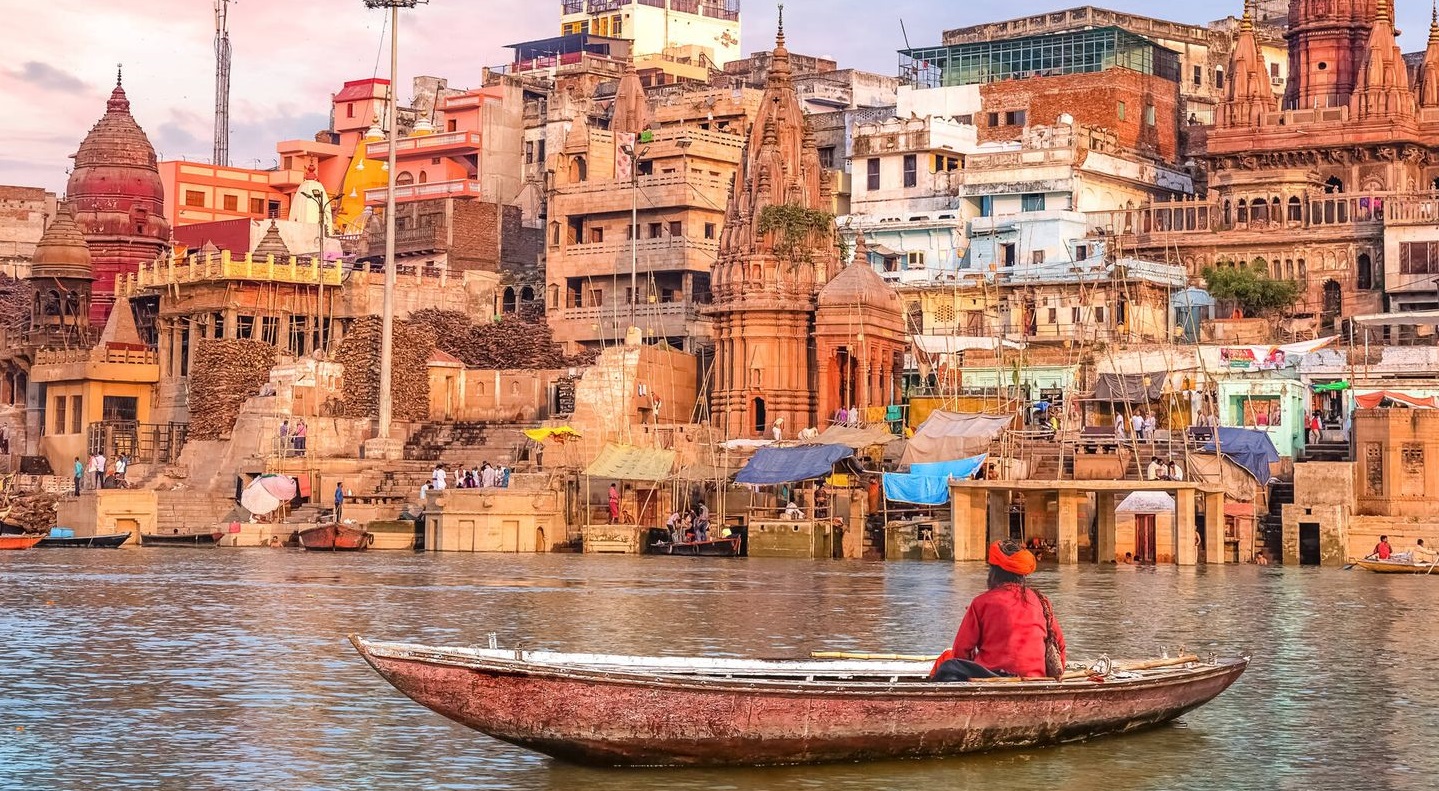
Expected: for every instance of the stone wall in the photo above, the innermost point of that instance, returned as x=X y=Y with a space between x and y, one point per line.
x=1092 y=100
x=495 y=520
x=1397 y=455
x=24 y=212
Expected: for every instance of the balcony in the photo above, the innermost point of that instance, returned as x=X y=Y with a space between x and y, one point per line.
x=411 y=241
x=221 y=266
x=671 y=253
x=113 y=362
x=460 y=188
x=608 y=322
x=434 y=145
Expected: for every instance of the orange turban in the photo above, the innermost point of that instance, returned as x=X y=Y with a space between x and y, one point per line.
x=1021 y=562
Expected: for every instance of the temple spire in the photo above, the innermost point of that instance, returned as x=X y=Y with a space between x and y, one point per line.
x=1426 y=80
x=1248 y=97
x=1382 y=87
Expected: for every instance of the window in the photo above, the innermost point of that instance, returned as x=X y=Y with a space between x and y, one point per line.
x=76 y=415
x=709 y=230
x=597 y=235
x=1036 y=256
x=1419 y=258
x=1074 y=315
x=273 y=210
x=1014 y=117
x=967 y=119
x=1198 y=75
x=350 y=110
x=645 y=167
x=1007 y=254
x=826 y=157
x=1218 y=78
x=1033 y=201
x=60 y=402
x=597 y=298
x=1099 y=315
x=911 y=170
x=529 y=152
x=915 y=260
x=986 y=205
x=993 y=119
x=257 y=205
x=1081 y=252
x=1364 y=272
x=289 y=163
x=1274 y=71
x=231 y=202
x=1149 y=116
x=120 y=407
x=943 y=163
x=1054 y=315
x=656 y=229
x=1296 y=210
x=452 y=125
x=676 y=228
x=194 y=198
x=872 y=168
x=1119 y=111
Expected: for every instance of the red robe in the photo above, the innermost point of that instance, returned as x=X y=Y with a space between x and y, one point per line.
x=1003 y=632
x=1383 y=550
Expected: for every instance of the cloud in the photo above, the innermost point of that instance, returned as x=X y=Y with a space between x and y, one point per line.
x=43 y=75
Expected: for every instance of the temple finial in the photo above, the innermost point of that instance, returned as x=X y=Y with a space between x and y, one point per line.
x=119 y=74
x=779 y=34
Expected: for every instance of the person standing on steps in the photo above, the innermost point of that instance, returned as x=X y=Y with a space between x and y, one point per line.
x=79 y=475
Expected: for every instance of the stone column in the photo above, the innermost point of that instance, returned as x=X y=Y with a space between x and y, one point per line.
x=1035 y=515
x=1069 y=526
x=997 y=506
x=231 y=320
x=1215 y=549
x=1104 y=503
x=1185 y=553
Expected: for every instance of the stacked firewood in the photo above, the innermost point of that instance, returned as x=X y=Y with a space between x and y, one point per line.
x=33 y=511
x=359 y=352
x=509 y=343
x=16 y=300
x=225 y=374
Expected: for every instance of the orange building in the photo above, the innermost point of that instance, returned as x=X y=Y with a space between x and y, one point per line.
x=198 y=192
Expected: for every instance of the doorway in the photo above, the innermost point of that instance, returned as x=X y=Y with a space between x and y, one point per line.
x=1308 y=543
x=1145 y=534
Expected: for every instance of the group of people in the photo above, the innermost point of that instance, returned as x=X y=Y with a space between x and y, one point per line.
x=293 y=438
x=690 y=524
x=1418 y=554
x=1163 y=470
x=101 y=472
x=1139 y=426
x=484 y=476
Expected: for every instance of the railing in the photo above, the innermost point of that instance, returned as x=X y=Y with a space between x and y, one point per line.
x=222 y=265
x=646 y=247
x=621 y=310
x=105 y=354
x=381 y=149
x=1260 y=214
x=145 y=443
x=412 y=240
x=464 y=188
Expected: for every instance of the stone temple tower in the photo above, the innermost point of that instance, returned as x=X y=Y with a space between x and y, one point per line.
x=766 y=277
x=118 y=200
x=61 y=276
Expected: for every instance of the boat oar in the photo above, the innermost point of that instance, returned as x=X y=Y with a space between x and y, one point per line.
x=1071 y=675
x=1355 y=563
x=878 y=657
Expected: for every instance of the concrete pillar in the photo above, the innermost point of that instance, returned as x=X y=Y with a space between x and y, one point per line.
x=1105 y=503
x=1035 y=514
x=1214 y=547
x=1069 y=526
x=1185 y=553
x=997 y=505
x=968 y=518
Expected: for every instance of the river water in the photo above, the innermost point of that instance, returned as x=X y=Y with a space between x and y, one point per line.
x=228 y=669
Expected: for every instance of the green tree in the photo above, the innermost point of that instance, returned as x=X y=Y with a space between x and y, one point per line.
x=1257 y=293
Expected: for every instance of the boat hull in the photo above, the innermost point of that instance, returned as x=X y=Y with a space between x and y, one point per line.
x=180 y=539
x=1389 y=567
x=109 y=541
x=636 y=719
x=718 y=548
x=13 y=541
x=336 y=538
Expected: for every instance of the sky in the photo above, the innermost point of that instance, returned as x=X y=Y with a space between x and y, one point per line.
x=290 y=55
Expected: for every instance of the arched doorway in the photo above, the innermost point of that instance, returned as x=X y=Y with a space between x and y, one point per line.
x=760 y=419
x=1364 y=272
x=509 y=301
x=1333 y=303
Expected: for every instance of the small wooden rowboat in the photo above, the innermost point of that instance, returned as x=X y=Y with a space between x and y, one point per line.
x=180 y=539
x=672 y=711
x=336 y=537
x=1391 y=567
x=14 y=541
x=108 y=541
x=715 y=548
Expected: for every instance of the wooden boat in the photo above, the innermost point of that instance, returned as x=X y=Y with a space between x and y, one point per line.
x=1392 y=567
x=16 y=541
x=108 y=541
x=8 y=529
x=714 y=548
x=181 y=539
x=672 y=711
x=336 y=537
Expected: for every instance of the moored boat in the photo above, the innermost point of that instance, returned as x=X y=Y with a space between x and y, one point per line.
x=1396 y=567
x=107 y=541
x=178 y=539
x=675 y=711
x=336 y=537
x=714 y=548
x=19 y=541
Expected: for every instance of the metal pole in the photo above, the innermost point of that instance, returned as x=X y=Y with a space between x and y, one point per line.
x=387 y=310
x=634 y=229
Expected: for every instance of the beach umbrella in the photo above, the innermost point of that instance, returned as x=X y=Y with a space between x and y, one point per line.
x=267 y=493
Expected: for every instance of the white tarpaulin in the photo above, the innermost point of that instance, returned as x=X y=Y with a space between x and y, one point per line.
x=953 y=435
x=1146 y=503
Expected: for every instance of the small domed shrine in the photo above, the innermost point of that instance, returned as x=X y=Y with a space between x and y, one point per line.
x=118 y=200
x=860 y=339
x=61 y=277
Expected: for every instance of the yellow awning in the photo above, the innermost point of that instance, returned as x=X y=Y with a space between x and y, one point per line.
x=560 y=433
x=628 y=463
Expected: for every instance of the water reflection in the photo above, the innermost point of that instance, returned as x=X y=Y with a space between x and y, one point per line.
x=216 y=669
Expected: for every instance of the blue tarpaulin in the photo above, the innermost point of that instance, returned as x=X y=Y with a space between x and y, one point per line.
x=928 y=483
x=920 y=489
x=787 y=465
x=959 y=468
x=1250 y=449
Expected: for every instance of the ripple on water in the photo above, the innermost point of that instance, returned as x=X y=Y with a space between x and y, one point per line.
x=198 y=669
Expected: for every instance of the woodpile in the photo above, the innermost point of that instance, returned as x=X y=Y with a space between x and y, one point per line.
x=16 y=299
x=359 y=352
x=226 y=373
x=34 y=512
x=509 y=343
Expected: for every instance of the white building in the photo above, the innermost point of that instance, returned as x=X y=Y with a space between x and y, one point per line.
x=659 y=25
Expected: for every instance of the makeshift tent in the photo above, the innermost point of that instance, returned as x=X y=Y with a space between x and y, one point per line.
x=628 y=463
x=787 y=465
x=1130 y=388
x=267 y=493
x=1146 y=503
x=855 y=437
x=1394 y=398
x=557 y=433
x=1250 y=449
x=928 y=484
x=953 y=435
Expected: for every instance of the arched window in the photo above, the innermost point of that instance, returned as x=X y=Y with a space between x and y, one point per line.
x=1333 y=184
x=579 y=171
x=1302 y=271
x=508 y=303
x=405 y=178
x=1228 y=212
x=555 y=297
x=1296 y=210
x=1289 y=270
x=1259 y=210
x=1242 y=216
x=1278 y=268
x=527 y=294
x=424 y=177
x=1364 y=272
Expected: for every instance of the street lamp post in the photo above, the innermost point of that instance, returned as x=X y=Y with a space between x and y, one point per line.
x=387 y=309
x=634 y=156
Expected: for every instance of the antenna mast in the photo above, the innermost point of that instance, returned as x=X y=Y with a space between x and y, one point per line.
x=222 y=83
